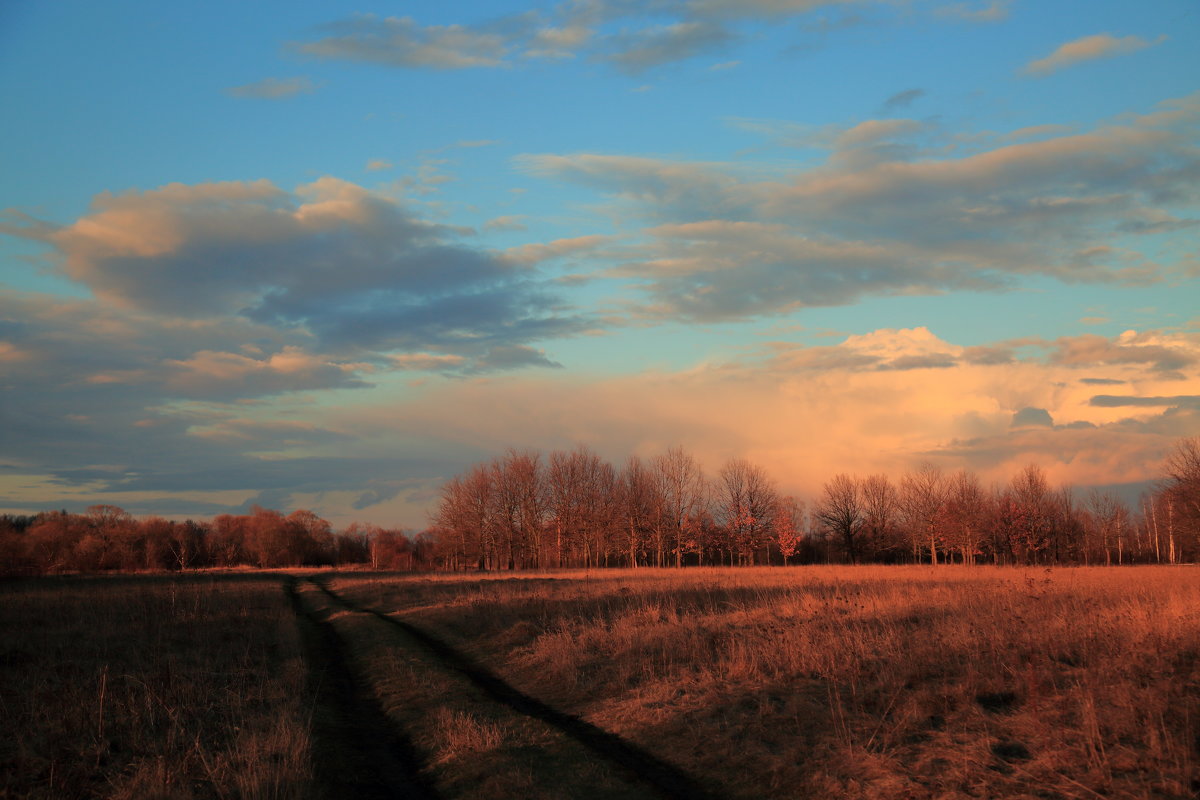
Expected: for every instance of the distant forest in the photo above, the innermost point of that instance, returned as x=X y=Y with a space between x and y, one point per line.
x=107 y=538
x=573 y=509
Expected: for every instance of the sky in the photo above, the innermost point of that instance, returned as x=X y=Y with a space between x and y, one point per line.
x=326 y=256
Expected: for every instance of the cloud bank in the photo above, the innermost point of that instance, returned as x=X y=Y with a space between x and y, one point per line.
x=892 y=211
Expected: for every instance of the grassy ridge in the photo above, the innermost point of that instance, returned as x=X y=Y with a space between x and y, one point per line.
x=151 y=687
x=877 y=682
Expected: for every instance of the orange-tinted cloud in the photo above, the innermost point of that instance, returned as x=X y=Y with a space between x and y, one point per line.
x=1087 y=48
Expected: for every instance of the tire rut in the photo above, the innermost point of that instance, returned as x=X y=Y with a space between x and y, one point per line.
x=664 y=778
x=357 y=752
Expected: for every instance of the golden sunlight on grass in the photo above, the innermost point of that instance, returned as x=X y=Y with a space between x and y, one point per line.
x=852 y=682
x=813 y=682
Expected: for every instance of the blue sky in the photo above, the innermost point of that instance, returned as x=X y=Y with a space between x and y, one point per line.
x=323 y=255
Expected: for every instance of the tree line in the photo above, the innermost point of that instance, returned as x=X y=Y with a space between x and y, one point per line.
x=523 y=510
x=573 y=509
x=107 y=538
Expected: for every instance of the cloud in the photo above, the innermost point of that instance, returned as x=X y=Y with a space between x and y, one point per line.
x=401 y=42
x=984 y=355
x=274 y=88
x=636 y=51
x=633 y=37
x=1037 y=132
x=671 y=189
x=557 y=43
x=717 y=270
x=355 y=269
x=508 y=222
x=1029 y=417
x=530 y=254
x=265 y=434
x=209 y=373
x=806 y=412
x=877 y=401
x=903 y=99
x=378 y=164
x=888 y=213
x=1088 y=48
x=431 y=362
x=508 y=357
x=759 y=9
x=895 y=350
x=1151 y=350
x=875 y=130
x=1174 y=401
x=992 y=11
x=110 y=398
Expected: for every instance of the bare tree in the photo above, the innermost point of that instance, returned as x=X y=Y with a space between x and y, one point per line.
x=1183 y=492
x=519 y=502
x=1031 y=492
x=881 y=508
x=468 y=510
x=638 y=503
x=564 y=486
x=840 y=511
x=967 y=507
x=1107 y=513
x=923 y=501
x=746 y=498
x=682 y=489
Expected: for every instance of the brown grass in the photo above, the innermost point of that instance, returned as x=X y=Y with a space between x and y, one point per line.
x=875 y=681
x=473 y=747
x=151 y=687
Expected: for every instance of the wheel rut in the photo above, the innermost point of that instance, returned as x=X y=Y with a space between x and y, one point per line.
x=357 y=752
x=665 y=779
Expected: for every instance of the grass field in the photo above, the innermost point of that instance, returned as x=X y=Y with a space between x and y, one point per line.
x=879 y=682
x=148 y=686
x=853 y=682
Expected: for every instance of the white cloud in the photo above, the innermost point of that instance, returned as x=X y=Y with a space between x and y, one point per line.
x=1087 y=48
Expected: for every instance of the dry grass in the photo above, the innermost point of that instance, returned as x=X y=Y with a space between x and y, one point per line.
x=151 y=687
x=473 y=746
x=856 y=682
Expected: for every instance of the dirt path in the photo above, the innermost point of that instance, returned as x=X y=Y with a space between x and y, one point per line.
x=665 y=779
x=357 y=752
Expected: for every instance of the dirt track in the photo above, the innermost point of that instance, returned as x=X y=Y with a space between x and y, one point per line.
x=357 y=752
x=635 y=764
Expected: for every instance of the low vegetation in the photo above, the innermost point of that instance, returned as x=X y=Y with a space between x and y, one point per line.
x=134 y=687
x=887 y=682
x=819 y=681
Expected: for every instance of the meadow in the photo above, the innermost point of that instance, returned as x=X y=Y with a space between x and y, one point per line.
x=152 y=686
x=878 y=682
x=854 y=682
